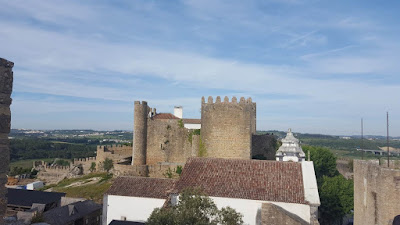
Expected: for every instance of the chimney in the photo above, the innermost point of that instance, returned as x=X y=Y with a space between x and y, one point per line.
x=178 y=111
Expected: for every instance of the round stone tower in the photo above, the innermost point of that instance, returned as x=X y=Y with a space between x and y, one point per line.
x=141 y=112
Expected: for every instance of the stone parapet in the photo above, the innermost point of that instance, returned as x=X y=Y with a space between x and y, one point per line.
x=6 y=83
x=376 y=192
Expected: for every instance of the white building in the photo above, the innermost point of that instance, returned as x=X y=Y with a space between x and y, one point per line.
x=251 y=187
x=290 y=149
x=35 y=185
x=188 y=123
x=245 y=185
x=135 y=198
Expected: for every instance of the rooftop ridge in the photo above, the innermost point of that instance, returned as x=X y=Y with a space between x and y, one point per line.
x=245 y=179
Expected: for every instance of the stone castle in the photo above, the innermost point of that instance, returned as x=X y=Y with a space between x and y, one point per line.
x=162 y=141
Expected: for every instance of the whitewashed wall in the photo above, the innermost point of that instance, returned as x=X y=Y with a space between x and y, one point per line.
x=192 y=126
x=251 y=209
x=133 y=208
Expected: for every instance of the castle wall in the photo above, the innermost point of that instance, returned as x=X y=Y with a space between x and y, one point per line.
x=52 y=174
x=117 y=153
x=85 y=163
x=155 y=171
x=168 y=141
x=227 y=127
x=376 y=193
x=6 y=82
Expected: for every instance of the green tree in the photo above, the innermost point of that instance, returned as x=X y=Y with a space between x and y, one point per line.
x=92 y=167
x=324 y=162
x=337 y=199
x=62 y=162
x=194 y=208
x=108 y=164
x=229 y=216
x=335 y=191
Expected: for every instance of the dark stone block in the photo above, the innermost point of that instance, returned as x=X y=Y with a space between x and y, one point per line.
x=6 y=81
x=5 y=63
x=4 y=159
x=4 y=141
x=5 y=99
x=5 y=123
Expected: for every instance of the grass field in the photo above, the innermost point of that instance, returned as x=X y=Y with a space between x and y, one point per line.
x=92 y=186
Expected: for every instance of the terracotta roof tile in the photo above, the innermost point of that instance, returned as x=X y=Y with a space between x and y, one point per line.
x=164 y=116
x=244 y=179
x=141 y=187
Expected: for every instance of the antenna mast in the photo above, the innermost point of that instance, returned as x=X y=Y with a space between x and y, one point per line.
x=362 y=138
x=387 y=135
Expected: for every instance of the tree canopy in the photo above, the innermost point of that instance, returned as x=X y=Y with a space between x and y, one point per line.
x=92 y=167
x=337 y=198
x=324 y=161
x=336 y=192
x=194 y=208
x=108 y=164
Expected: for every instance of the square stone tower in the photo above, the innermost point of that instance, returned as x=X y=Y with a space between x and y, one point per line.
x=227 y=127
x=6 y=81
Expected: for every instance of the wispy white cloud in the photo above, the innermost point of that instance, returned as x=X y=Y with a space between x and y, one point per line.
x=197 y=53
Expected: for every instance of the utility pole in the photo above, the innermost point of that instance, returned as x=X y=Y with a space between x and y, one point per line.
x=362 y=139
x=387 y=136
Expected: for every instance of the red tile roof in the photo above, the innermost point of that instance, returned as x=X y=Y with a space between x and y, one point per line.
x=192 y=121
x=165 y=116
x=141 y=187
x=244 y=179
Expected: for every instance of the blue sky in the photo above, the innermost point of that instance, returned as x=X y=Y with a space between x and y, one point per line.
x=315 y=66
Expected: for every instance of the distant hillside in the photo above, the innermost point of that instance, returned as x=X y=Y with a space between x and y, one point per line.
x=340 y=142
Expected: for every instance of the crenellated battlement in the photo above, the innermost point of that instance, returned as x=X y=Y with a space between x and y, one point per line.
x=218 y=100
x=140 y=102
x=93 y=159
x=112 y=148
x=48 y=167
x=42 y=165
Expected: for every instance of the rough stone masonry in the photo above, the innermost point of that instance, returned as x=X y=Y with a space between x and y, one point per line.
x=6 y=81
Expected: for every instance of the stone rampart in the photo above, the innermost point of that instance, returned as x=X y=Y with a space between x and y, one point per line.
x=376 y=192
x=85 y=163
x=117 y=153
x=168 y=141
x=6 y=82
x=52 y=174
x=227 y=127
